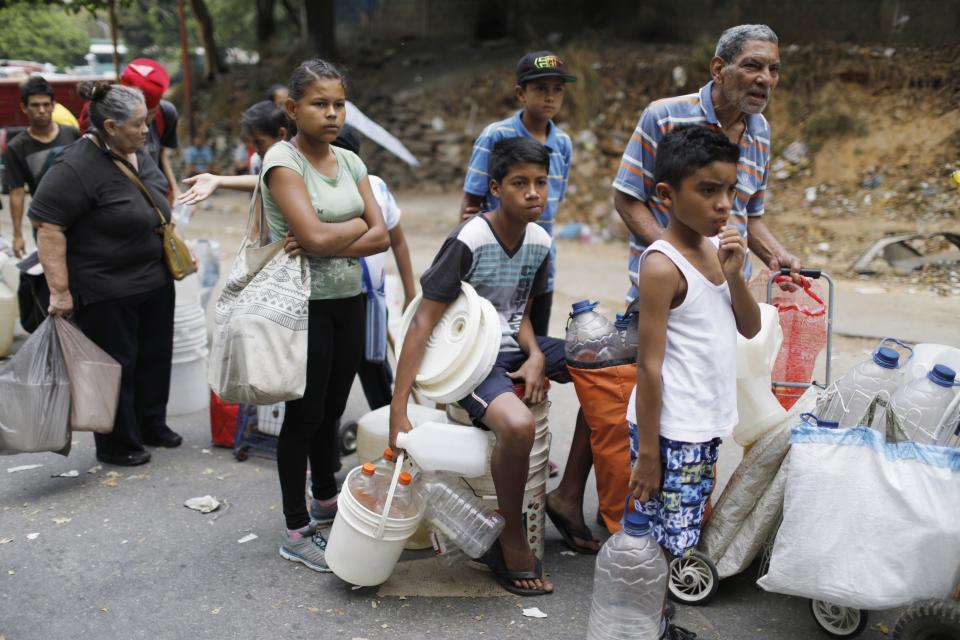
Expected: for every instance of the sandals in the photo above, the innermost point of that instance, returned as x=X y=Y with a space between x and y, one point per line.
x=569 y=532
x=493 y=558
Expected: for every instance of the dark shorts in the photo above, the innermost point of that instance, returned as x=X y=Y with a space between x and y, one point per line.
x=555 y=365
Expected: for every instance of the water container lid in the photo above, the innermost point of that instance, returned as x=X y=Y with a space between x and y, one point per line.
x=388 y=454
x=405 y=477
x=828 y=424
x=368 y=469
x=622 y=321
x=942 y=375
x=636 y=524
x=582 y=306
x=886 y=358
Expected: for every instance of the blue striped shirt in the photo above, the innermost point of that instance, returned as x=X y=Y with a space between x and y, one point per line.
x=560 y=148
x=635 y=176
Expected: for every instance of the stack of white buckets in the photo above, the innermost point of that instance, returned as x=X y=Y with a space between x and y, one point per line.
x=189 y=392
x=535 y=491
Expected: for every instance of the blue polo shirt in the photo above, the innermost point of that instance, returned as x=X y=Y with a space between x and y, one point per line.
x=560 y=148
x=635 y=176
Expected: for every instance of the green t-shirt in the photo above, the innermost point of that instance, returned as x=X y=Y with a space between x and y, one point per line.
x=335 y=200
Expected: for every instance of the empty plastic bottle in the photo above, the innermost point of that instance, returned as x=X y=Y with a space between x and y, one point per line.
x=877 y=376
x=364 y=487
x=405 y=503
x=460 y=515
x=920 y=405
x=447 y=447
x=590 y=336
x=629 y=584
x=385 y=467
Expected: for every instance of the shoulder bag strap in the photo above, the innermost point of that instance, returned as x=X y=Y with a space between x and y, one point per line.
x=136 y=181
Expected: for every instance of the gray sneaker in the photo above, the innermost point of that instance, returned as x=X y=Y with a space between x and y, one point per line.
x=308 y=550
x=320 y=514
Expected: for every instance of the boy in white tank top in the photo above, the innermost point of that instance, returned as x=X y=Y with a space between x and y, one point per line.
x=693 y=301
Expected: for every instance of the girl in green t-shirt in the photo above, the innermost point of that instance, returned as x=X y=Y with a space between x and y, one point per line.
x=318 y=197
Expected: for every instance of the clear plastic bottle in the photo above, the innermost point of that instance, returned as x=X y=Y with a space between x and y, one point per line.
x=877 y=376
x=629 y=584
x=627 y=327
x=460 y=515
x=385 y=467
x=364 y=487
x=405 y=502
x=590 y=336
x=921 y=404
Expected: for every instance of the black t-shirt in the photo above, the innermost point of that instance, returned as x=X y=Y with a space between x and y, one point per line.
x=27 y=159
x=113 y=250
x=168 y=138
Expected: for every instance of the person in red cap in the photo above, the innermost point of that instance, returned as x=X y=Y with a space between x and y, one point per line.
x=152 y=79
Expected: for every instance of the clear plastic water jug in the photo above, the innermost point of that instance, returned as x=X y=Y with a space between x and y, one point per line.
x=876 y=377
x=447 y=447
x=629 y=584
x=921 y=404
x=590 y=336
x=460 y=515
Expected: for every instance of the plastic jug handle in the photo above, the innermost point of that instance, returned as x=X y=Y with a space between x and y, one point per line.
x=397 y=469
x=901 y=344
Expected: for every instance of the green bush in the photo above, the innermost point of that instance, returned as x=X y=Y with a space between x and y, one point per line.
x=41 y=34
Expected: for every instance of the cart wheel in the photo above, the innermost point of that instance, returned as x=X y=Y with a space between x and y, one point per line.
x=242 y=453
x=929 y=620
x=838 y=621
x=348 y=438
x=693 y=579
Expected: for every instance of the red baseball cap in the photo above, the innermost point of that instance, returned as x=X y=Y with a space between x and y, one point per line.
x=149 y=76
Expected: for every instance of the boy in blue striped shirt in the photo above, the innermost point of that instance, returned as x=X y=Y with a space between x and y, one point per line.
x=541 y=83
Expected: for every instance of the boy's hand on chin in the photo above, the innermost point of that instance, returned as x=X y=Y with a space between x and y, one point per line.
x=531 y=375
x=731 y=252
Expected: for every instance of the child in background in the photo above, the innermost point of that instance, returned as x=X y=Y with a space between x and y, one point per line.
x=541 y=83
x=694 y=301
x=377 y=377
x=503 y=255
x=198 y=156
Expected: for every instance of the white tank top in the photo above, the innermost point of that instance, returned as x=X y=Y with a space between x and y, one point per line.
x=699 y=373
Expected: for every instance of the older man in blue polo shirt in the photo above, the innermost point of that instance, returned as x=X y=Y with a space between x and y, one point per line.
x=744 y=71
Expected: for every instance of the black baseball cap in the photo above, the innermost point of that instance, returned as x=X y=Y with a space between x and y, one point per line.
x=542 y=64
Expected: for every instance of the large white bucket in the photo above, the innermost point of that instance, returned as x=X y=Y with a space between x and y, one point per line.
x=534 y=509
x=363 y=547
x=189 y=392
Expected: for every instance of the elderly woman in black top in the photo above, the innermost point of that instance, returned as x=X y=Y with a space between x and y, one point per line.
x=103 y=261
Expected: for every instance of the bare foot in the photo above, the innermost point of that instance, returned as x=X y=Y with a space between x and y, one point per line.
x=570 y=517
x=520 y=558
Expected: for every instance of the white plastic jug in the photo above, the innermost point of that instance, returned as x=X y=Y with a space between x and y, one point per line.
x=443 y=447
x=758 y=410
x=921 y=404
x=373 y=428
x=8 y=318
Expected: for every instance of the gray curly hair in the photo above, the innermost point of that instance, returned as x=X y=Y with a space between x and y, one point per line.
x=733 y=39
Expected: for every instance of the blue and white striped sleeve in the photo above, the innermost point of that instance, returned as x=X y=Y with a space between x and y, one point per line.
x=477 y=180
x=635 y=175
x=755 y=204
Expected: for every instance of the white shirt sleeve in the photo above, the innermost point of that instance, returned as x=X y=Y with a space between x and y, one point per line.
x=388 y=206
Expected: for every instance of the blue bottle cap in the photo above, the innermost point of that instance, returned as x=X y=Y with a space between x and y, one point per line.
x=886 y=358
x=636 y=524
x=582 y=306
x=622 y=322
x=942 y=375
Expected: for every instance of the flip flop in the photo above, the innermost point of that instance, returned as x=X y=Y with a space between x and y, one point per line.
x=569 y=532
x=493 y=558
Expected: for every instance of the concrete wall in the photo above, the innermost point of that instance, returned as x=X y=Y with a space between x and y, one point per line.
x=929 y=22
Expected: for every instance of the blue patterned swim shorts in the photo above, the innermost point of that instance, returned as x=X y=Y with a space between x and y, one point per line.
x=688 y=480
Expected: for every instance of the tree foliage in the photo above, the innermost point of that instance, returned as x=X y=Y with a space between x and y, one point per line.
x=41 y=33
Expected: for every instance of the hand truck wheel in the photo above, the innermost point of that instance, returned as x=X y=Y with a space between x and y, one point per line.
x=838 y=621
x=693 y=579
x=348 y=437
x=929 y=620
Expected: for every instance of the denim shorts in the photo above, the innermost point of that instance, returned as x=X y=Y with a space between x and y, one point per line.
x=689 y=475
